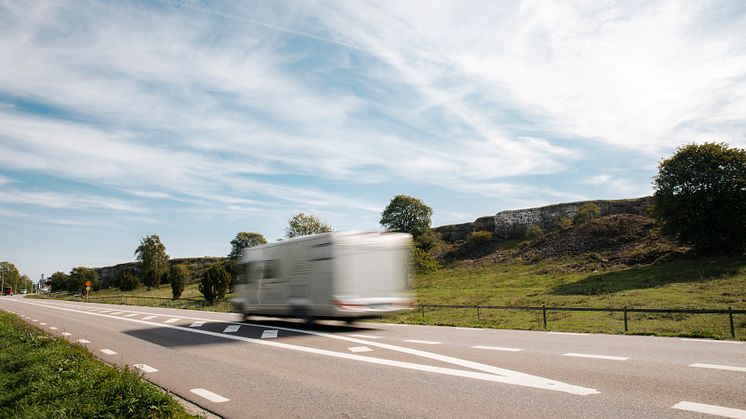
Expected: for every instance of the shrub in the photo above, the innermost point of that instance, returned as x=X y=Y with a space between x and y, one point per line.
x=423 y=262
x=534 y=232
x=215 y=283
x=563 y=223
x=479 y=237
x=586 y=212
x=179 y=276
x=127 y=280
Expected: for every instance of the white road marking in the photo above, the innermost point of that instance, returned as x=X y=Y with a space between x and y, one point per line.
x=732 y=342
x=105 y=311
x=467 y=328
x=365 y=336
x=34 y=320
x=171 y=321
x=116 y=313
x=358 y=349
x=711 y=409
x=130 y=315
x=149 y=317
x=232 y=328
x=84 y=341
x=497 y=348
x=568 y=333
x=609 y=357
x=488 y=372
x=269 y=334
x=196 y=324
x=145 y=367
x=66 y=334
x=719 y=367
x=43 y=324
x=424 y=342
x=209 y=395
x=52 y=328
x=108 y=352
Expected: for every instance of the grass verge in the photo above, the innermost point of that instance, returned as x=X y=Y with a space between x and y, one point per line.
x=46 y=376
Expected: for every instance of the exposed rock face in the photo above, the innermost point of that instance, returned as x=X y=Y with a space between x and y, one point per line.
x=107 y=275
x=514 y=223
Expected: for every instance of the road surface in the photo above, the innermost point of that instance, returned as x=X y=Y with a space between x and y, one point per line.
x=272 y=368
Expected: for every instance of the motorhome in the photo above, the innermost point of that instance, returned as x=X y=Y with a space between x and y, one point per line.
x=338 y=275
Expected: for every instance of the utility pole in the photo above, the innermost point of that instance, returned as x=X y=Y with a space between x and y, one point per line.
x=2 y=279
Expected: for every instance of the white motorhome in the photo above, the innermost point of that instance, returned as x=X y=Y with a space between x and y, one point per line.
x=337 y=275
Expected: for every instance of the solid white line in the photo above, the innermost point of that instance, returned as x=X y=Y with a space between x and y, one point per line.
x=497 y=348
x=171 y=321
x=609 y=357
x=568 y=333
x=108 y=351
x=130 y=315
x=149 y=317
x=116 y=313
x=358 y=349
x=424 y=342
x=66 y=334
x=490 y=373
x=197 y=324
x=732 y=342
x=145 y=367
x=232 y=328
x=365 y=336
x=711 y=409
x=269 y=334
x=52 y=327
x=84 y=341
x=209 y=395
x=719 y=367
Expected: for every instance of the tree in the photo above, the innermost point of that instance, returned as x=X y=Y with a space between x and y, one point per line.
x=179 y=276
x=215 y=283
x=127 y=280
x=78 y=277
x=407 y=214
x=700 y=196
x=58 y=281
x=10 y=274
x=153 y=258
x=301 y=224
x=586 y=212
x=244 y=240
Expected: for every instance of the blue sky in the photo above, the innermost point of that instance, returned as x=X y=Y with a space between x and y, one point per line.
x=197 y=120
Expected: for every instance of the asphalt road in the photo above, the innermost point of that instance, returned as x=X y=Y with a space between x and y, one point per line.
x=272 y=368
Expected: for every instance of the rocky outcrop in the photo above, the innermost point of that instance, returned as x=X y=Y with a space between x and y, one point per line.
x=514 y=223
x=107 y=275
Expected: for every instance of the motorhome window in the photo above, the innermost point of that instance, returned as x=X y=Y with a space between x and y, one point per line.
x=271 y=269
x=319 y=252
x=243 y=273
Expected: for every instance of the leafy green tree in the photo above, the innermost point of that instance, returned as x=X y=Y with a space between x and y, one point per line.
x=10 y=274
x=244 y=240
x=301 y=224
x=586 y=212
x=78 y=277
x=422 y=261
x=153 y=258
x=407 y=214
x=700 y=196
x=179 y=277
x=215 y=283
x=58 y=281
x=127 y=280
x=24 y=282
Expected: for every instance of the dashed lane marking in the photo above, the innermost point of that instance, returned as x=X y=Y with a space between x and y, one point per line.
x=34 y=320
x=84 y=341
x=171 y=321
x=43 y=324
x=108 y=352
x=607 y=357
x=145 y=368
x=732 y=342
x=497 y=348
x=269 y=334
x=116 y=313
x=711 y=409
x=424 y=342
x=197 y=324
x=52 y=328
x=66 y=334
x=719 y=367
x=365 y=336
x=130 y=315
x=232 y=328
x=149 y=317
x=358 y=349
x=209 y=395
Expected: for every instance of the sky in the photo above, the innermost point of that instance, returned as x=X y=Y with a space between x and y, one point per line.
x=197 y=120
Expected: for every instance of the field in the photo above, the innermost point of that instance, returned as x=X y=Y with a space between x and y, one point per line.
x=46 y=377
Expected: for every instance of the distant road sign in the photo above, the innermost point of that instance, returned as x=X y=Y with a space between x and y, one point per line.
x=87 y=283
x=87 y=288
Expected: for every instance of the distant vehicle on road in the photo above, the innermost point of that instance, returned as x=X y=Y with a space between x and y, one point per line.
x=8 y=291
x=342 y=276
x=24 y=291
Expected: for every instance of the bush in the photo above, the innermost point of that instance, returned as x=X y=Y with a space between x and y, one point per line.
x=534 y=232
x=179 y=276
x=478 y=238
x=586 y=212
x=215 y=283
x=563 y=223
x=423 y=262
x=127 y=280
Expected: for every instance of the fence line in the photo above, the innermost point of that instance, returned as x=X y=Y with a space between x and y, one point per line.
x=730 y=312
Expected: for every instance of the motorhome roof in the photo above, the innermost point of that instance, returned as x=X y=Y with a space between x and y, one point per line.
x=322 y=235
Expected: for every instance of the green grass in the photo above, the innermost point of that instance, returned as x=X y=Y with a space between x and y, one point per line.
x=703 y=283
x=46 y=377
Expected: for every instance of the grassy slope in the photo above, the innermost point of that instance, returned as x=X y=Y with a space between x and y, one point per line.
x=44 y=376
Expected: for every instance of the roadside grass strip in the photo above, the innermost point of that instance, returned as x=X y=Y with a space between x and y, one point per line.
x=74 y=383
x=209 y=395
x=719 y=367
x=497 y=348
x=592 y=356
x=483 y=372
x=711 y=409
